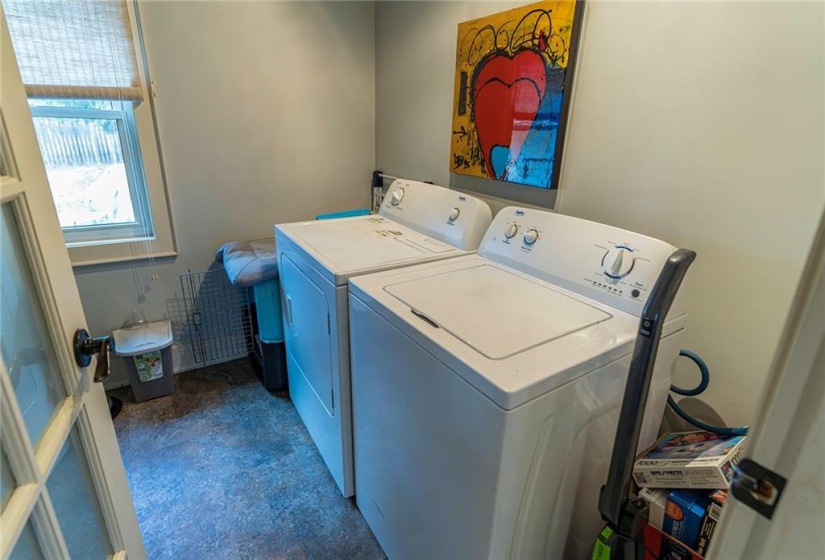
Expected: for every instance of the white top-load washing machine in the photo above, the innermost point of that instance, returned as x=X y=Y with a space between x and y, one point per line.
x=417 y=222
x=486 y=389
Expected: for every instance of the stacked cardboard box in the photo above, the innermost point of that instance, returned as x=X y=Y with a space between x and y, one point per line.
x=684 y=479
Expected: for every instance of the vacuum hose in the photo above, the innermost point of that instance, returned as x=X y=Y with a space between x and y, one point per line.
x=698 y=390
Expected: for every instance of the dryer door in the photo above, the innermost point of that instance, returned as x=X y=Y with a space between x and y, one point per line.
x=307 y=334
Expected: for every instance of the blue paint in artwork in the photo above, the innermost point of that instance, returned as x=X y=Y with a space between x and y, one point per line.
x=535 y=162
x=500 y=156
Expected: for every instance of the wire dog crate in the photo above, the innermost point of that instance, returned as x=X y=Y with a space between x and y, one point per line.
x=218 y=317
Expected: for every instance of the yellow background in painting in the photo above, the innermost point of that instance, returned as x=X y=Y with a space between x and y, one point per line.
x=504 y=31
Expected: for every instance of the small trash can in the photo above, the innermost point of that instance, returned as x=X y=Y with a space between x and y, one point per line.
x=147 y=351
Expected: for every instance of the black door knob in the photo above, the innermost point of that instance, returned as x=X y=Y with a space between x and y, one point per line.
x=85 y=347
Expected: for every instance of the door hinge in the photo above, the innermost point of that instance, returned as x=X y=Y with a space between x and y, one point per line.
x=329 y=327
x=757 y=487
x=332 y=398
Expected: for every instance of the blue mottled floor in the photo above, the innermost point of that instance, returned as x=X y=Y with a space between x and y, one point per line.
x=224 y=469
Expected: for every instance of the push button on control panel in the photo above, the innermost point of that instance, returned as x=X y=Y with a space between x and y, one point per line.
x=531 y=236
x=454 y=214
x=511 y=231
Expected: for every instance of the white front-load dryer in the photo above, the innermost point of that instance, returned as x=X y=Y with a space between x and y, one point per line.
x=417 y=223
x=486 y=389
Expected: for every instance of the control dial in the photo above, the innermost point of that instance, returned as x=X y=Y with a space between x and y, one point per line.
x=531 y=236
x=454 y=214
x=397 y=196
x=618 y=262
x=511 y=231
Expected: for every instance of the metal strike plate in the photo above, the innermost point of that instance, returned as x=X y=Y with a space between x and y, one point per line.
x=757 y=487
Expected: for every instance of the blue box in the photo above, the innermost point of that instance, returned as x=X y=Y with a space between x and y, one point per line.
x=684 y=515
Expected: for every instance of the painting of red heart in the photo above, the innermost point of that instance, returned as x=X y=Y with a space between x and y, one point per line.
x=513 y=77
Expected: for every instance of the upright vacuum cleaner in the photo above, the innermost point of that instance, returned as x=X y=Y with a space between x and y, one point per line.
x=625 y=515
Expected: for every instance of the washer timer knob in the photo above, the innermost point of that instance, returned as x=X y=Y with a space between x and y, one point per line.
x=397 y=197
x=454 y=214
x=618 y=262
x=531 y=236
x=511 y=231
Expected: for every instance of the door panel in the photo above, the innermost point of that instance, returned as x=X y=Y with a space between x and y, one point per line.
x=307 y=330
x=24 y=340
x=71 y=489
x=64 y=491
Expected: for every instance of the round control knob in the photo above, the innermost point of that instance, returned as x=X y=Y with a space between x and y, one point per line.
x=618 y=262
x=531 y=236
x=397 y=197
x=511 y=231
x=454 y=214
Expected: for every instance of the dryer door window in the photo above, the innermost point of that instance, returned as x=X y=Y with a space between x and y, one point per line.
x=307 y=333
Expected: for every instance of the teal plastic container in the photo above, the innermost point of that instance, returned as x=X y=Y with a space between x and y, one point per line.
x=268 y=305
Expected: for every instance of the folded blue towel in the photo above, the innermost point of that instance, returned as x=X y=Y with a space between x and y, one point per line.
x=344 y=214
x=249 y=262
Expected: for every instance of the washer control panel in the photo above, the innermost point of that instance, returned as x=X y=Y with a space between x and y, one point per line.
x=618 y=261
x=611 y=265
x=444 y=214
x=521 y=230
x=397 y=196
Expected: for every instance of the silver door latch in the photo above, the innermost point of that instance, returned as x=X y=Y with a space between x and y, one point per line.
x=757 y=487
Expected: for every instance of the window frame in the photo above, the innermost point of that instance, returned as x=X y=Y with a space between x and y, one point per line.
x=139 y=137
x=142 y=227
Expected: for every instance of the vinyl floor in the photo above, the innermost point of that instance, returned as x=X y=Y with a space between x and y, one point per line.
x=224 y=469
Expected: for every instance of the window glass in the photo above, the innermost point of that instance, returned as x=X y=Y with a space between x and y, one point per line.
x=76 y=505
x=25 y=345
x=86 y=169
x=27 y=547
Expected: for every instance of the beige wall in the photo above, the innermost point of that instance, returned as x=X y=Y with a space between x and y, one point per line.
x=266 y=113
x=701 y=124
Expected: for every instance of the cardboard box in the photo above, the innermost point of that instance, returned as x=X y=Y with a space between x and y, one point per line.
x=684 y=515
x=717 y=502
x=689 y=460
x=656 y=499
x=659 y=546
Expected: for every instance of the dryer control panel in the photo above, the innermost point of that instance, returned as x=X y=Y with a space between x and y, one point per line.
x=601 y=262
x=447 y=215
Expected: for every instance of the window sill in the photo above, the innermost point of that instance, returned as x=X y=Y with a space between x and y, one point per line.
x=107 y=253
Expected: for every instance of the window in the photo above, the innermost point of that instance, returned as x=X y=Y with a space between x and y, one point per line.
x=93 y=163
x=83 y=66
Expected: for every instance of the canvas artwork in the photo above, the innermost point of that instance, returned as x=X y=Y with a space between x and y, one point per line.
x=512 y=88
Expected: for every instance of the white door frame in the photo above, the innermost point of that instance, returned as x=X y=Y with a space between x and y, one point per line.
x=788 y=437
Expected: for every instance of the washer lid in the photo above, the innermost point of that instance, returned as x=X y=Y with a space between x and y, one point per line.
x=494 y=311
x=362 y=243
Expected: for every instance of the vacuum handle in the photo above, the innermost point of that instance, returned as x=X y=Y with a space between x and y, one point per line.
x=615 y=494
x=666 y=287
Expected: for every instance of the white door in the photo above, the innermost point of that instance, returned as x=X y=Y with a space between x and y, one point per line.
x=308 y=338
x=787 y=440
x=63 y=489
